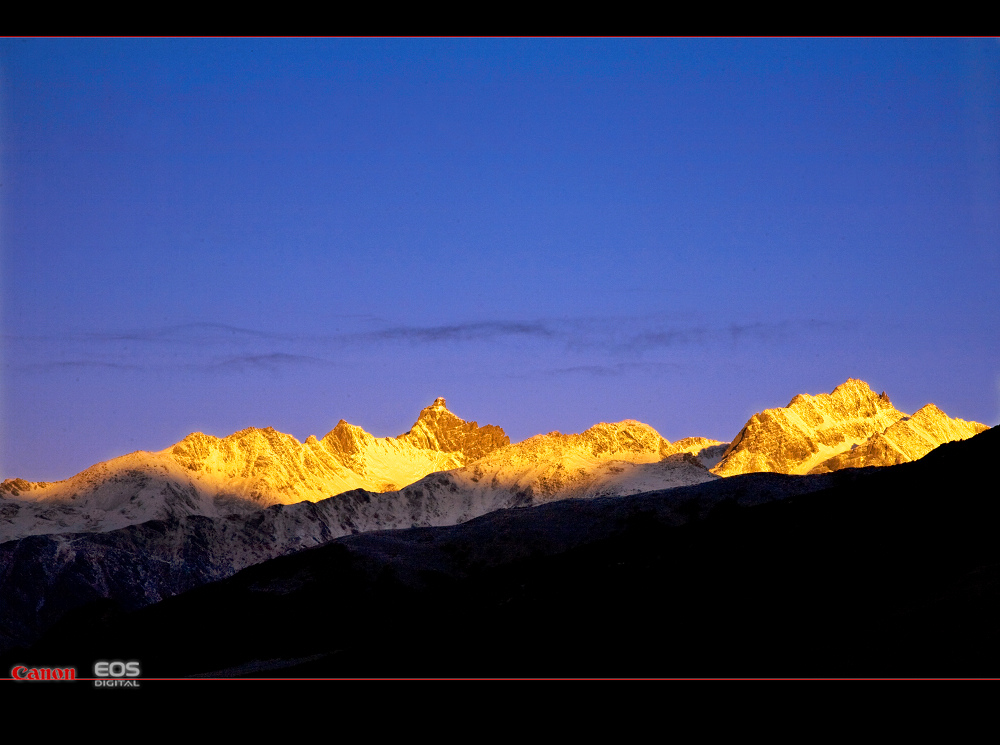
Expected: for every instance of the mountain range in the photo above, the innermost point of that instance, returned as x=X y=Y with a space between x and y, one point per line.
x=257 y=468
x=874 y=572
x=144 y=527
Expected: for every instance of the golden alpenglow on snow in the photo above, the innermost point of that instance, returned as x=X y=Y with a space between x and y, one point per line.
x=442 y=471
x=910 y=438
x=270 y=467
x=446 y=470
x=244 y=472
x=848 y=428
x=607 y=460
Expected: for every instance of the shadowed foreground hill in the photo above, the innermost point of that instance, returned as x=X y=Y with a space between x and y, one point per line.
x=882 y=572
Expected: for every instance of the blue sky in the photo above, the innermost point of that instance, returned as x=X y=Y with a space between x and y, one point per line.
x=206 y=235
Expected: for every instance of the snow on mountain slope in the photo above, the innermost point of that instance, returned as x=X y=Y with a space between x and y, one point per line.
x=911 y=438
x=246 y=471
x=477 y=466
x=808 y=431
x=455 y=470
x=127 y=490
x=608 y=459
x=439 y=429
x=707 y=452
x=850 y=427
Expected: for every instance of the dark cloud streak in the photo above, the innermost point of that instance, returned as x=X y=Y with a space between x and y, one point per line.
x=484 y=331
x=272 y=361
x=71 y=364
x=248 y=349
x=615 y=370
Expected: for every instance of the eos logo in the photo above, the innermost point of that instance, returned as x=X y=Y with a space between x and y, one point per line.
x=116 y=670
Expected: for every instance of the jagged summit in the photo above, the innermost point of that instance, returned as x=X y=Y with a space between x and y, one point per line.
x=244 y=471
x=844 y=428
x=438 y=429
x=607 y=459
x=909 y=439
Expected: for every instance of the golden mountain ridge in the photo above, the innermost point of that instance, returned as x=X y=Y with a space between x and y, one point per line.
x=255 y=468
x=850 y=427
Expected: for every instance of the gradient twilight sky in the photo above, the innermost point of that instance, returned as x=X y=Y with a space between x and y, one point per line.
x=207 y=235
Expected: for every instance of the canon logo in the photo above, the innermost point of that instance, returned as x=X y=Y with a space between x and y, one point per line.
x=23 y=672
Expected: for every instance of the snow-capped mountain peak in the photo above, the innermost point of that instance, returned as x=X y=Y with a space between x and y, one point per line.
x=847 y=427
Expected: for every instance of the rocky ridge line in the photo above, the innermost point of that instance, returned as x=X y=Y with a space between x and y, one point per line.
x=849 y=427
x=907 y=440
x=241 y=473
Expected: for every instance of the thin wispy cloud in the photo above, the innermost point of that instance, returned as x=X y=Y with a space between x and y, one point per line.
x=77 y=364
x=273 y=361
x=616 y=370
x=598 y=344
x=674 y=336
x=485 y=331
x=778 y=332
x=201 y=332
x=186 y=333
x=666 y=338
